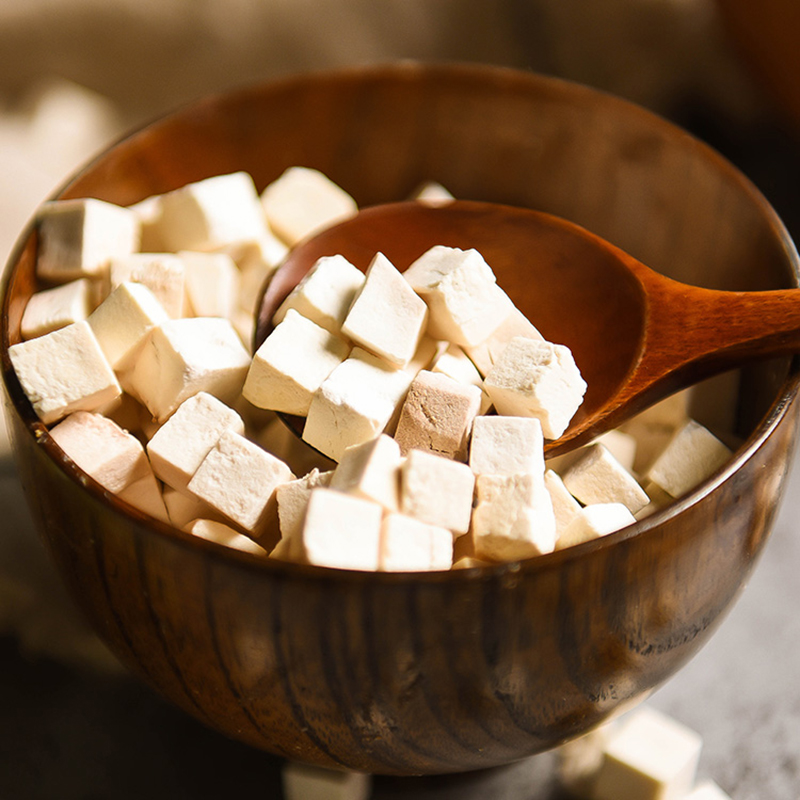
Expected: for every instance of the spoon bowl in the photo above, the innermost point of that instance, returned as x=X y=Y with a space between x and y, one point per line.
x=636 y=335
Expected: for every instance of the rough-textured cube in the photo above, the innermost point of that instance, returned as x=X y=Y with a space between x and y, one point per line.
x=597 y=477
x=484 y=354
x=179 y=446
x=341 y=531
x=182 y=357
x=354 y=403
x=325 y=293
x=506 y=445
x=292 y=498
x=466 y=304
x=513 y=517
x=371 y=470
x=291 y=364
x=162 y=273
x=565 y=506
x=64 y=371
x=303 y=201
x=410 y=545
x=537 y=379
x=455 y=363
x=437 y=490
x=78 y=237
x=51 y=309
x=387 y=317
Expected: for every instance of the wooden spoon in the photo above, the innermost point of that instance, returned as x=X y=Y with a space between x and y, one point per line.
x=636 y=335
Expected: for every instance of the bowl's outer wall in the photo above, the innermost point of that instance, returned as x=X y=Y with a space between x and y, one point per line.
x=432 y=673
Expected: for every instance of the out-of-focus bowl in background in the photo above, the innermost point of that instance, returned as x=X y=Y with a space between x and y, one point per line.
x=431 y=673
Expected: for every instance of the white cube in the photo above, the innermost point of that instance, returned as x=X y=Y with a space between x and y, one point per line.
x=513 y=517
x=51 y=309
x=291 y=364
x=594 y=521
x=303 y=201
x=162 y=273
x=455 y=363
x=409 y=545
x=219 y=532
x=506 y=445
x=387 y=317
x=182 y=357
x=565 y=506
x=77 y=238
x=238 y=479
x=292 y=498
x=211 y=213
x=354 y=403
x=212 y=283
x=325 y=293
x=64 y=371
x=341 y=531
x=466 y=304
x=537 y=379
x=484 y=354
x=437 y=490
x=181 y=444
x=371 y=470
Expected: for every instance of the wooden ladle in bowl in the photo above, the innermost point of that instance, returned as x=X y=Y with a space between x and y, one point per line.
x=636 y=335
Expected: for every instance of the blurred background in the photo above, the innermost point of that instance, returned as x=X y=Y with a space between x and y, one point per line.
x=76 y=74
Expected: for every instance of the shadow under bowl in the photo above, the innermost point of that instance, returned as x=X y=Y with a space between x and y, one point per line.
x=439 y=672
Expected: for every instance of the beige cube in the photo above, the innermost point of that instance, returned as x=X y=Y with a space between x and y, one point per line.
x=537 y=379
x=597 y=477
x=292 y=498
x=692 y=455
x=162 y=273
x=181 y=444
x=455 y=363
x=146 y=495
x=291 y=364
x=594 y=521
x=211 y=213
x=182 y=357
x=341 y=531
x=303 y=201
x=354 y=403
x=212 y=282
x=219 y=532
x=648 y=757
x=184 y=508
x=437 y=415
x=466 y=304
x=371 y=470
x=506 y=445
x=409 y=545
x=387 y=317
x=437 y=490
x=64 y=371
x=513 y=517
x=122 y=321
x=565 y=506
x=325 y=293
x=77 y=238
x=484 y=354
x=238 y=479
x=51 y=309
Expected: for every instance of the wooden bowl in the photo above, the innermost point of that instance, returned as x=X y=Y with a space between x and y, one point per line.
x=431 y=673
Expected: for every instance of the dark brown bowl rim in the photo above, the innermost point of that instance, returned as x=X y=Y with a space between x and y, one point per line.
x=536 y=564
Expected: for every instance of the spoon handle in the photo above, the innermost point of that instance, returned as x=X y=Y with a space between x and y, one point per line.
x=691 y=332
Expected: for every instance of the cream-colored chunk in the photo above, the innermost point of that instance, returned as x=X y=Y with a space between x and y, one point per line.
x=51 y=309
x=437 y=490
x=64 y=371
x=597 y=477
x=292 y=498
x=182 y=357
x=692 y=455
x=371 y=470
x=437 y=415
x=179 y=446
x=513 y=517
x=212 y=284
x=537 y=379
x=146 y=495
x=387 y=317
x=341 y=531
x=238 y=479
x=184 y=508
x=77 y=238
x=221 y=533
x=410 y=545
x=484 y=354
x=325 y=293
x=211 y=213
x=506 y=445
x=123 y=320
x=594 y=521
x=354 y=403
x=162 y=273
x=303 y=201
x=466 y=304
x=455 y=363
x=648 y=757
x=291 y=364
x=565 y=506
